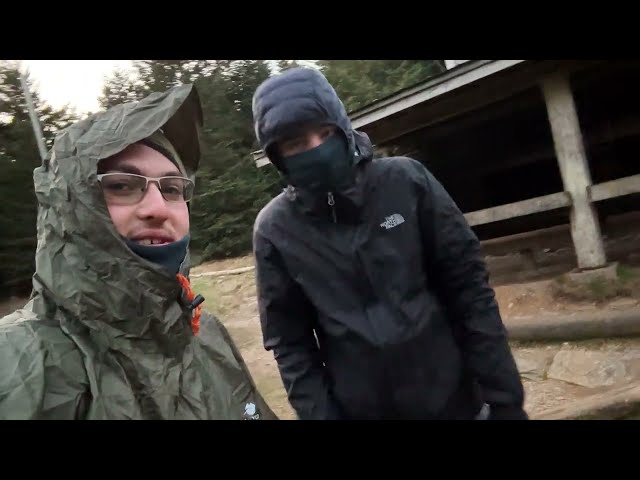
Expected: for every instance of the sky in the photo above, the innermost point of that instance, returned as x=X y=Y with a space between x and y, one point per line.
x=74 y=82
x=78 y=83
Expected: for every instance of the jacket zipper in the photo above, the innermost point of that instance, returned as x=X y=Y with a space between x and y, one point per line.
x=332 y=203
x=366 y=287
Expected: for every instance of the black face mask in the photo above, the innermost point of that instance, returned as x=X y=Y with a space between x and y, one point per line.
x=169 y=256
x=326 y=168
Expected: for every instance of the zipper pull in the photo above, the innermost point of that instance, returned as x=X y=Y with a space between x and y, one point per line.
x=331 y=201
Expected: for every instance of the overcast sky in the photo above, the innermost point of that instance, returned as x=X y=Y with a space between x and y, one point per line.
x=74 y=82
x=78 y=82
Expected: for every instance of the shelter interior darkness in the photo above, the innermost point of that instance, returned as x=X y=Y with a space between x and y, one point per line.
x=499 y=154
x=504 y=152
x=608 y=104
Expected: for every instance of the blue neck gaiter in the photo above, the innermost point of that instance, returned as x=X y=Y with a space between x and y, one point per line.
x=169 y=256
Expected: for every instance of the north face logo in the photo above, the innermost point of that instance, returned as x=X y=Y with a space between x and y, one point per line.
x=250 y=412
x=392 y=221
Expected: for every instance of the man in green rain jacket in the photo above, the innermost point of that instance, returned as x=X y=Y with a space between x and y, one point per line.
x=112 y=329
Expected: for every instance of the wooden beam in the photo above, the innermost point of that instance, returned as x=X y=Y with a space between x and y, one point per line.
x=614 y=188
x=408 y=99
x=262 y=161
x=519 y=209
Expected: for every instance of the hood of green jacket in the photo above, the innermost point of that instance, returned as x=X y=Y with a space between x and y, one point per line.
x=83 y=265
x=107 y=334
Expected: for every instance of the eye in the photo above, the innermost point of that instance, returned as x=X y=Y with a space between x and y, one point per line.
x=326 y=133
x=120 y=184
x=292 y=144
x=174 y=187
x=117 y=186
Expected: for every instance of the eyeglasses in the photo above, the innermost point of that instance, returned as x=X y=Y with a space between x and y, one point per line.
x=129 y=188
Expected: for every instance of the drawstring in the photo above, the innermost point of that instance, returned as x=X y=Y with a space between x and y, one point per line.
x=195 y=303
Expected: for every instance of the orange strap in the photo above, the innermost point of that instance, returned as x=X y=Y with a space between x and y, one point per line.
x=195 y=321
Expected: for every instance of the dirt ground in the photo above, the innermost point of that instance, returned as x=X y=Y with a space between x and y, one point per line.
x=226 y=264
x=233 y=299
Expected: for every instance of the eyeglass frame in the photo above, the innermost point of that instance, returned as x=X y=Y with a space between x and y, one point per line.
x=155 y=180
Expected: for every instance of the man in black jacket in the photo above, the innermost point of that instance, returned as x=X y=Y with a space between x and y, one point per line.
x=372 y=291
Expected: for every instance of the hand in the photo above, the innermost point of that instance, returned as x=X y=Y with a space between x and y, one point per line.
x=507 y=413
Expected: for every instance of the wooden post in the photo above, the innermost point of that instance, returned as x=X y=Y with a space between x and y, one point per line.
x=574 y=169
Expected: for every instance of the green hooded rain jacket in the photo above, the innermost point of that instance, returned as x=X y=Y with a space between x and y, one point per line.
x=107 y=334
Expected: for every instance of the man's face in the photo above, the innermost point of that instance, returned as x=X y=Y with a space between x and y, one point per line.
x=152 y=220
x=310 y=138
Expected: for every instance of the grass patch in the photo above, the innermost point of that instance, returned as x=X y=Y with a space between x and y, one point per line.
x=206 y=287
x=627 y=274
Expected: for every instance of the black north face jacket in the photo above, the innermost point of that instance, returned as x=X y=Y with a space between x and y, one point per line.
x=375 y=300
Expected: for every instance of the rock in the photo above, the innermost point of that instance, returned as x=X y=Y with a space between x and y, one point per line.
x=530 y=369
x=606 y=273
x=621 y=403
x=533 y=364
x=586 y=368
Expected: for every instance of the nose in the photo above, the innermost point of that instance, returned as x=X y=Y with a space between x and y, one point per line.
x=153 y=204
x=314 y=140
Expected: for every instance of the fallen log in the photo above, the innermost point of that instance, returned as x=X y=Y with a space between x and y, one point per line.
x=220 y=273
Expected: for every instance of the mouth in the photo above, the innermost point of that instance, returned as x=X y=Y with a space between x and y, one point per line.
x=152 y=240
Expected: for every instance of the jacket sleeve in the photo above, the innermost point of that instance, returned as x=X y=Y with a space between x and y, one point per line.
x=460 y=278
x=287 y=320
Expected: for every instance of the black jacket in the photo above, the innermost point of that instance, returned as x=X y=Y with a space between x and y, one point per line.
x=378 y=306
